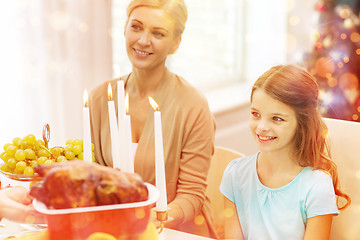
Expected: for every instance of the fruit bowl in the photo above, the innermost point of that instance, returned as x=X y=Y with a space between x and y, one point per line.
x=119 y=220
x=14 y=180
x=21 y=155
x=21 y=177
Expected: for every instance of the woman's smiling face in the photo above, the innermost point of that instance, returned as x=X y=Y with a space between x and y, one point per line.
x=150 y=37
x=272 y=123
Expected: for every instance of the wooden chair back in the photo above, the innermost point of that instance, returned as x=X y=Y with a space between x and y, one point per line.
x=221 y=158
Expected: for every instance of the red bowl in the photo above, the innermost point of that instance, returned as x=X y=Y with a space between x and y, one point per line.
x=117 y=219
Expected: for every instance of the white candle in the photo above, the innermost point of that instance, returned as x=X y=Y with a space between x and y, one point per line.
x=129 y=156
x=160 y=179
x=121 y=101
x=87 y=151
x=127 y=159
x=114 y=132
x=121 y=125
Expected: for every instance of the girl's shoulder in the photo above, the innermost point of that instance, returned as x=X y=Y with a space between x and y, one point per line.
x=315 y=180
x=318 y=193
x=242 y=165
x=315 y=175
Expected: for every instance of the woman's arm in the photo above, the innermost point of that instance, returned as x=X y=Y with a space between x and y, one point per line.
x=232 y=225
x=318 y=227
x=175 y=213
x=196 y=149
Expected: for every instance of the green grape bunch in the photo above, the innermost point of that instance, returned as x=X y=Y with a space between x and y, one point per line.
x=22 y=155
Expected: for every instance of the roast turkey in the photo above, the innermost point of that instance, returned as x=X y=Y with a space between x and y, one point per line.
x=81 y=184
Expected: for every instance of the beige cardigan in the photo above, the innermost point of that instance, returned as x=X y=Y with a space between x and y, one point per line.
x=188 y=136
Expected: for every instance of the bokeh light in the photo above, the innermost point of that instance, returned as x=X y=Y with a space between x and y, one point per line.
x=348 y=23
x=335 y=55
x=355 y=37
x=345 y=13
x=326 y=97
x=334 y=59
x=358 y=174
x=199 y=220
x=324 y=66
x=318 y=45
x=228 y=212
x=294 y=21
x=315 y=35
x=30 y=219
x=332 y=82
x=327 y=42
x=348 y=81
x=140 y=213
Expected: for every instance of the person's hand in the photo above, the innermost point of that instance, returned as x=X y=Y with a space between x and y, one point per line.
x=15 y=205
x=175 y=216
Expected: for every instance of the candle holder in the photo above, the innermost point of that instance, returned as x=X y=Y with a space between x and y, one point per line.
x=162 y=217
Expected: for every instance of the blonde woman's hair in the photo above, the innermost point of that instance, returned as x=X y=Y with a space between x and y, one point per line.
x=174 y=8
x=298 y=89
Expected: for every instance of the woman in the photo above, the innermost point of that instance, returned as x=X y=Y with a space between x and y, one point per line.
x=153 y=31
x=288 y=189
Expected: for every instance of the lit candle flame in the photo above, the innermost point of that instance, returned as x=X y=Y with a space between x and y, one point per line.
x=86 y=98
x=154 y=105
x=127 y=103
x=109 y=92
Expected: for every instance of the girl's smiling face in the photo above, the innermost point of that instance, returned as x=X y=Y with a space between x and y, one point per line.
x=272 y=123
x=150 y=37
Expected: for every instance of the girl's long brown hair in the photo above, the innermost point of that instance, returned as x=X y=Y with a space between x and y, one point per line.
x=298 y=89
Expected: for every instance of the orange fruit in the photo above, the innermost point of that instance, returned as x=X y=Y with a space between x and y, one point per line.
x=101 y=236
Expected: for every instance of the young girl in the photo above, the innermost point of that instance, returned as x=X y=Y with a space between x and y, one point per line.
x=289 y=189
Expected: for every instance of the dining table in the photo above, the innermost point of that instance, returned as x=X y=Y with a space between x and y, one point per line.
x=12 y=230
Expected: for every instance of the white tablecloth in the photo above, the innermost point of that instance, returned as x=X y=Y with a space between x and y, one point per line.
x=8 y=227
